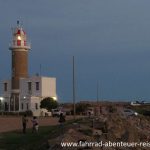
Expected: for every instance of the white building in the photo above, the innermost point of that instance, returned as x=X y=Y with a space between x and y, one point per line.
x=32 y=91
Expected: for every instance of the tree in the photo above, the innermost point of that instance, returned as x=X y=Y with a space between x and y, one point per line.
x=49 y=103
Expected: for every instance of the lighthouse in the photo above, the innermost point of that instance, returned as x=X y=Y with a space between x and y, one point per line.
x=24 y=92
x=19 y=51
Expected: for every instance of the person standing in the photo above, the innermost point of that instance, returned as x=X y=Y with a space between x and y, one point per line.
x=24 y=123
x=62 y=118
x=35 y=123
x=61 y=121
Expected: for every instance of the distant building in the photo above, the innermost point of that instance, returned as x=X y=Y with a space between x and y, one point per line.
x=23 y=92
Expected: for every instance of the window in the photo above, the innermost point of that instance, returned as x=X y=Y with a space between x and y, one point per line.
x=25 y=43
x=18 y=42
x=37 y=86
x=29 y=86
x=22 y=106
x=36 y=105
x=27 y=106
x=5 y=86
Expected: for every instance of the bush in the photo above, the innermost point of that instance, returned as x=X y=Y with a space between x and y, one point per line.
x=146 y=113
x=112 y=109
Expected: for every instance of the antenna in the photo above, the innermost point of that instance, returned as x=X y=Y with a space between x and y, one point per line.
x=40 y=69
x=18 y=22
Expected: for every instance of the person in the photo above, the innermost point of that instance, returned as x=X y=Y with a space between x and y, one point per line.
x=61 y=121
x=61 y=118
x=24 y=123
x=35 y=123
x=89 y=114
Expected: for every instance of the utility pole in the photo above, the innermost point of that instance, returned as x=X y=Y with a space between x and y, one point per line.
x=97 y=108
x=97 y=92
x=74 y=98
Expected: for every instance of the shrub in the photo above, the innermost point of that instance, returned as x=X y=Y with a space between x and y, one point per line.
x=49 y=103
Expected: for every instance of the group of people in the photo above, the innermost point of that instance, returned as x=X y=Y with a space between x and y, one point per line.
x=35 y=124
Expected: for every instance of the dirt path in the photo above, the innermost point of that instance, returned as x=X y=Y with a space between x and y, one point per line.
x=14 y=123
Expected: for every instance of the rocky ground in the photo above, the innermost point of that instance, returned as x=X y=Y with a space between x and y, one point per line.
x=109 y=127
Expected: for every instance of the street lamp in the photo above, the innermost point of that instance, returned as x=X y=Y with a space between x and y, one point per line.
x=1 y=98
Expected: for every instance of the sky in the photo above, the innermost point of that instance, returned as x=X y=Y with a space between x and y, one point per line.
x=110 y=40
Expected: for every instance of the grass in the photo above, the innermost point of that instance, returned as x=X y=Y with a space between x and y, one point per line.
x=16 y=140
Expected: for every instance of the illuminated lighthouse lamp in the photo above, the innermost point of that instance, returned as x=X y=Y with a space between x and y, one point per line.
x=19 y=38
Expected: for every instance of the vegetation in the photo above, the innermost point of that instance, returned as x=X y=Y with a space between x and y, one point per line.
x=112 y=109
x=143 y=110
x=81 y=108
x=49 y=103
x=16 y=140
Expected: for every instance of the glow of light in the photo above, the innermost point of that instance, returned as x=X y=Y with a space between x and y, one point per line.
x=54 y=98
x=24 y=97
x=19 y=37
x=1 y=98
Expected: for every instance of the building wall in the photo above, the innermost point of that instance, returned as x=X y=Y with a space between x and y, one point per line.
x=48 y=87
x=35 y=103
x=24 y=101
x=19 y=66
x=24 y=91
x=6 y=93
x=33 y=97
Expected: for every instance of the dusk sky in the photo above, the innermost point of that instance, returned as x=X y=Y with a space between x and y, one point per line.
x=110 y=40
